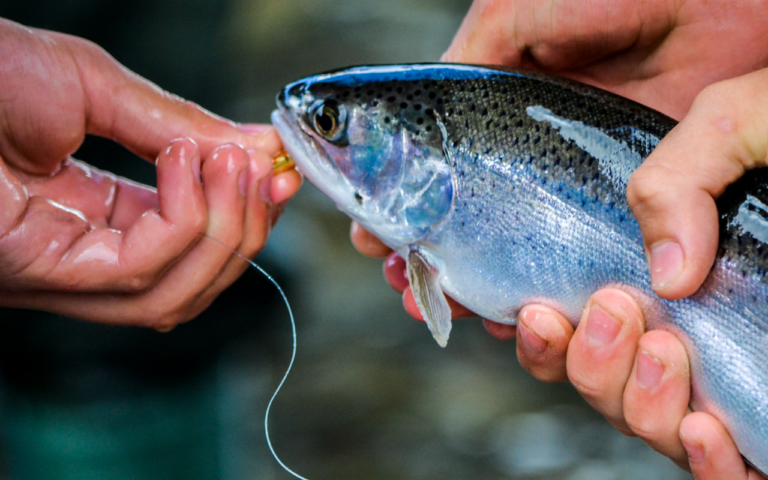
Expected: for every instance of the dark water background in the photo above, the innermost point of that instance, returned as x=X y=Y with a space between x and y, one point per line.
x=371 y=396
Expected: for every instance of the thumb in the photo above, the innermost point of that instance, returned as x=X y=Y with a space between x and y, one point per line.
x=125 y=107
x=673 y=192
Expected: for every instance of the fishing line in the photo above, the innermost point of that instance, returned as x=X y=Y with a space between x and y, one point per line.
x=290 y=364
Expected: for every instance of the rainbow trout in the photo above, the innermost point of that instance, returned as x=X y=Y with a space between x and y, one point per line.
x=506 y=187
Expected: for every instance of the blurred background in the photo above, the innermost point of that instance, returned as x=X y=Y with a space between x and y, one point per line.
x=371 y=396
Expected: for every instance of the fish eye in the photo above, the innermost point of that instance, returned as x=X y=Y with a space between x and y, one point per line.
x=328 y=118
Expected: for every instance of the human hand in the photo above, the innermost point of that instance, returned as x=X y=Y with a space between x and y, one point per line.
x=84 y=243
x=639 y=381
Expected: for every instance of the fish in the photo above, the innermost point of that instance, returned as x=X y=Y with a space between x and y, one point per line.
x=503 y=187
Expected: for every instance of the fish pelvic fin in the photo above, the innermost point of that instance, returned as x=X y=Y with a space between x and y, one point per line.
x=429 y=297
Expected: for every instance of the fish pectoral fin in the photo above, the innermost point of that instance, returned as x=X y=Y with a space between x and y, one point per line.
x=429 y=297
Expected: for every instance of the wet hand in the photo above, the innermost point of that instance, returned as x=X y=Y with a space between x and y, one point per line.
x=84 y=243
x=639 y=381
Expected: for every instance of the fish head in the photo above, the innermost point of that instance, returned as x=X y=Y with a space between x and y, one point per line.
x=371 y=141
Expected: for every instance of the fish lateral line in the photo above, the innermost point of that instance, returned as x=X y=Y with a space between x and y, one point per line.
x=290 y=363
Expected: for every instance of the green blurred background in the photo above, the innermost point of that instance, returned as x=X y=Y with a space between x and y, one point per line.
x=371 y=396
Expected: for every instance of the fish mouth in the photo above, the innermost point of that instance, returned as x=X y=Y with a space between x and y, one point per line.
x=312 y=161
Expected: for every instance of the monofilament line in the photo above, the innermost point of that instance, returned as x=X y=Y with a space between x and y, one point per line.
x=290 y=364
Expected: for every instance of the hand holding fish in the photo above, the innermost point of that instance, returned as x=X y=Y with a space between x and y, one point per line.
x=85 y=243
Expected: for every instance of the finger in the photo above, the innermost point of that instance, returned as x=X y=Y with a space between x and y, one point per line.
x=500 y=331
x=13 y=198
x=61 y=250
x=81 y=187
x=672 y=193
x=366 y=243
x=225 y=175
x=131 y=200
x=657 y=394
x=602 y=352
x=136 y=113
x=712 y=455
x=104 y=199
x=457 y=310
x=255 y=230
x=395 y=271
x=284 y=186
x=542 y=342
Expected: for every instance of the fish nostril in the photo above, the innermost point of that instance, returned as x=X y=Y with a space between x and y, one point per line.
x=292 y=91
x=296 y=90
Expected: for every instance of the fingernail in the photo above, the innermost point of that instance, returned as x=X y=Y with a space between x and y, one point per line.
x=602 y=328
x=531 y=342
x=242 y=182
x=695 y=450
x=649 y=370
x=666 y=263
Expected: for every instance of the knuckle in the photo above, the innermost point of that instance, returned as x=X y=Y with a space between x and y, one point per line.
x=643 y=426
x=648 y=184
x=139 y=281
x=587 y=388
x=548 y=374
x=164 y=318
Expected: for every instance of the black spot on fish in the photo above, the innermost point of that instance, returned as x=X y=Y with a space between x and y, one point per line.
x=403 y=105
x=409 y=97
x=391 y=99
x=386 y=120
x=432 y=95
x=419 y=120
x=417 y=107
